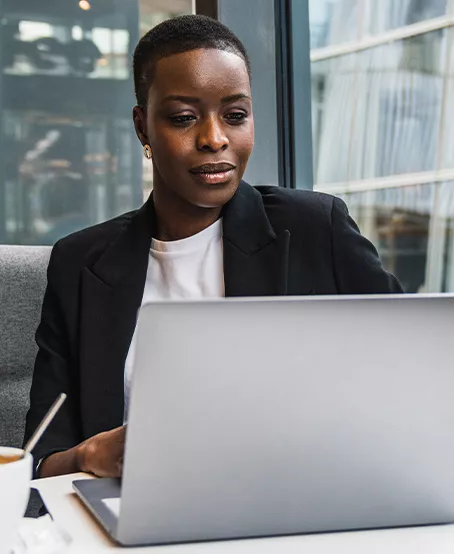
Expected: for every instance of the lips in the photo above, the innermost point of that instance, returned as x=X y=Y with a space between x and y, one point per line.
x=213 y=168
x=214 y=173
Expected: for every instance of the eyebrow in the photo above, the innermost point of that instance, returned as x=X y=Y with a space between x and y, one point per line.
x=195 y=100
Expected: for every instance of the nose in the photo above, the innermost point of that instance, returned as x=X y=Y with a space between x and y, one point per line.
x=211 y=137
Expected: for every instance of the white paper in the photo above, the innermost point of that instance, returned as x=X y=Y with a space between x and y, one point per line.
x=41 y=536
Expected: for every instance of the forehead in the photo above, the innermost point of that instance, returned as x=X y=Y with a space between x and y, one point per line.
x=199 y=72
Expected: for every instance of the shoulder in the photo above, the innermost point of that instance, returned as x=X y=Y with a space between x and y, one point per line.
x=295 y=199
x=86 y=246
x=299 y=208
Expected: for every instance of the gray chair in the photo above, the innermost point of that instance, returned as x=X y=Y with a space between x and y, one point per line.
x=22 y=284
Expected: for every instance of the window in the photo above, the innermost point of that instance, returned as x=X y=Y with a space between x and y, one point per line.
x=382 y=89
x=69 y=156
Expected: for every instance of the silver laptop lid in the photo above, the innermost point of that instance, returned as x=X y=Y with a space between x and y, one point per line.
x=262 y=417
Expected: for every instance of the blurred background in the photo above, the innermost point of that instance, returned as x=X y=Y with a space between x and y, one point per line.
x=383 y=134
x=69 y=156
x=382 y=104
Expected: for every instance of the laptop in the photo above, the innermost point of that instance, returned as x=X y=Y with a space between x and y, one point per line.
x=262 y=417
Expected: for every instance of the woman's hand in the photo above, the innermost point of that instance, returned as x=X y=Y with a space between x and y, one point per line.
x=102 y=454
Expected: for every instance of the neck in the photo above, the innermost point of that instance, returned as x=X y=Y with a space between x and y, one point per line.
x=178 y=219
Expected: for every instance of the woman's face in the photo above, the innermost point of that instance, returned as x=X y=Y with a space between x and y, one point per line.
x=199 y=124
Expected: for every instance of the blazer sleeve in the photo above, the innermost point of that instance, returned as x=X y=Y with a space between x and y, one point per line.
x=53 y=373
x=357 y=266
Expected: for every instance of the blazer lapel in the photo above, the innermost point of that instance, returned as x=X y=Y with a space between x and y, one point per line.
x=255 y=264
x=111 y=295
x=255 y=259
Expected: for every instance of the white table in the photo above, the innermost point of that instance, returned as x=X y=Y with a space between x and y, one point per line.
x=88 y=538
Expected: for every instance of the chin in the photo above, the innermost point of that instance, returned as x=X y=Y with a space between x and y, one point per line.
x=216 y=196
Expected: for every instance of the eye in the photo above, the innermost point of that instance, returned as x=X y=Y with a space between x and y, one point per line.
x=236 y=117
x=182 y=120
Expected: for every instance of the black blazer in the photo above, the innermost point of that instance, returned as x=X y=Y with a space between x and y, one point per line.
x=276 y=242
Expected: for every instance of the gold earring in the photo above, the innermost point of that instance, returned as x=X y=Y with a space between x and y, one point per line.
x=147 y=151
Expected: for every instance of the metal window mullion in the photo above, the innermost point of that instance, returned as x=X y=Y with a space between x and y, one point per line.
x=3 y=211
x=373 y=41
x=437 y=229
x=283 y=94
x=293 y=72
x=388 y=182
x=301 y=95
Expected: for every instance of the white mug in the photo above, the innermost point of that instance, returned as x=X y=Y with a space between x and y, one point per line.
x=14 y=492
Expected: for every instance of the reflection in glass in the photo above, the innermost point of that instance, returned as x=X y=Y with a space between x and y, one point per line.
x=385 y=15
x=397 y=221
x=334 y=22
x=36 y=48
x=69 y=156
x=447 y=132
x=382 y=130
x=413 y=229
x=378 y=112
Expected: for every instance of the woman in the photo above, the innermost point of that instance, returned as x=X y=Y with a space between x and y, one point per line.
x=203 y=233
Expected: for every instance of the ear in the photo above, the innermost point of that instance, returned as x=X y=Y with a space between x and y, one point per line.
x=139 y=117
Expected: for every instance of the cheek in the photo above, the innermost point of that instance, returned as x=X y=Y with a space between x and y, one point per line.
x=245 y=143
x=167 y=143
x=171 y=147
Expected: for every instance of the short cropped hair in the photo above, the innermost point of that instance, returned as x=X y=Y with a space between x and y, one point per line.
x=178 y=35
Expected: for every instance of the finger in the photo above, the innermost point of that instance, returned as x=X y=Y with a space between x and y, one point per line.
x=119 y=432
x=119 y=466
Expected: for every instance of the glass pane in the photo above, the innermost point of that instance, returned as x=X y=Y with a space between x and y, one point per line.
x=378 y=112
x=413 y=229
x=334 y=21
x=382 y=122
x=447 y=132
x=385 y=15
x=69 y=156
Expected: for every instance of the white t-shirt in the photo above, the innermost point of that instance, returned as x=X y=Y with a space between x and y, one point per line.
x=187 y=268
